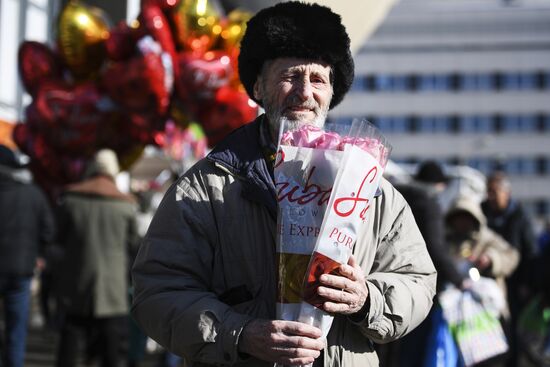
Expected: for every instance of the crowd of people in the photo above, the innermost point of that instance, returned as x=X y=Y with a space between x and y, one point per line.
x=79 y=249
x=204 y=274
x=495 y=236
x=98 y=231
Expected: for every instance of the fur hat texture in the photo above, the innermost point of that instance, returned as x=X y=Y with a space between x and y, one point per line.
x=297 y=30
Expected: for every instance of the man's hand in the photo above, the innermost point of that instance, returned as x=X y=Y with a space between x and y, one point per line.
x=345 y=293
x=285 y=342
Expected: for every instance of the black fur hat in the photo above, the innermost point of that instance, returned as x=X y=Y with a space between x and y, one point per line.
x=300 y=30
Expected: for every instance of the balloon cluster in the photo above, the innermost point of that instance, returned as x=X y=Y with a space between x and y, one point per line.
x=118 y=87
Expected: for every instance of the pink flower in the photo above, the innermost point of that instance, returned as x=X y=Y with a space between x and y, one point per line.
x=309 y=136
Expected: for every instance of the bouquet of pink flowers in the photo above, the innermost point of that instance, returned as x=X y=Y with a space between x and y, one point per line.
x=326 y=180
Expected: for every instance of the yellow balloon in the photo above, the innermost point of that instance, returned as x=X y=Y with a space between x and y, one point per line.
x=82 y=31
x=234 y=29
x=197 y=24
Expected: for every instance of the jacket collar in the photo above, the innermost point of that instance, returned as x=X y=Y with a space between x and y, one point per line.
x=242 y=156
x=100 y=186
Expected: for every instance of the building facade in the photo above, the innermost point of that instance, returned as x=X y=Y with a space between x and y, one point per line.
x=462 y=82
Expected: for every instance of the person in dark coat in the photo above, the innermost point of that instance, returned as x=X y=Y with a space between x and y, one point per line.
x=26 y=228
x=507 y=217
x=421 y=194
x=97 y=228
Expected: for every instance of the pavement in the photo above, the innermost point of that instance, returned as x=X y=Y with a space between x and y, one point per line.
x=42 y=344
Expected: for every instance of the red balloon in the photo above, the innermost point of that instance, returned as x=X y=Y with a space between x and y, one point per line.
x=62 y=104
x=163 y=4
x=138 y=84
x=145 y=127
x=153 y=20
x=68 y=116
x=232 y=109
x=37 y=63
x=199 y=77
x=21 y=136
x=121 y=43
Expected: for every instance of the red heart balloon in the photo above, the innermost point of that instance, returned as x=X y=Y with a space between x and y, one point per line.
x=138 y=84
x=67 y=105
x=69 y=116
x=232 y=109
x=199 y=77
x=121 y=43
x=155 y=23
x=37 y=63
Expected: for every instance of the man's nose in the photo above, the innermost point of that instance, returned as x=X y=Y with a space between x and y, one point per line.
x=303 y=89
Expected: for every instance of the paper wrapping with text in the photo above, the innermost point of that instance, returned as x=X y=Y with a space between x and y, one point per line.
x=325 y=179
x=352 y=195
x=303 y=180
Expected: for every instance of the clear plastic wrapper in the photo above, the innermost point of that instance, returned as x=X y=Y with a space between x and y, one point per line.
x=326 y=180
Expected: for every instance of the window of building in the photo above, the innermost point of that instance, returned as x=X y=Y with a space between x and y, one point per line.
x=393 y=124
x=383 y=82
x=510 y=81
x=484 y=165
x=476 y=82
x=392 y=83
x=434 y=124
x=359 y=84
x=528 y=81
x=519 y=123
x=434 y=82
x=520 y=166
x=476 y=124
x=515 y=81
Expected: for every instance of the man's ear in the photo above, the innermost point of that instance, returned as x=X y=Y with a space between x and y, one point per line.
x=258 y=90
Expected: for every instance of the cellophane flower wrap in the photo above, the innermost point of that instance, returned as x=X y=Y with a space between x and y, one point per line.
x=326 y=180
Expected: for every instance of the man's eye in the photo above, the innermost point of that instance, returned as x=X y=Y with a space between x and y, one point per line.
x=317 y=80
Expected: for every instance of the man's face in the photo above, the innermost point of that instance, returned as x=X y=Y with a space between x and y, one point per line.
x=295 y=90
x=498 y=194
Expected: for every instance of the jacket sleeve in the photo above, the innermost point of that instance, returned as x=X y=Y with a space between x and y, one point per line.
x=402 y=280
x=504 y=257
x=172 y=273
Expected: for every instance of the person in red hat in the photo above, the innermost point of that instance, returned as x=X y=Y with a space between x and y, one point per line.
x=205 y=275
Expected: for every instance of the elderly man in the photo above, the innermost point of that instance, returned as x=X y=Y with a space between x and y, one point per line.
x=205 y=276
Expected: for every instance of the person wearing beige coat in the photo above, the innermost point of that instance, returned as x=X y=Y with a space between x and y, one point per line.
x=471 y=241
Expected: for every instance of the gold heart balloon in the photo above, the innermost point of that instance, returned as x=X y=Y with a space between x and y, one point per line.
x=82 y=31
x=234 y=29
x=197 y=24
